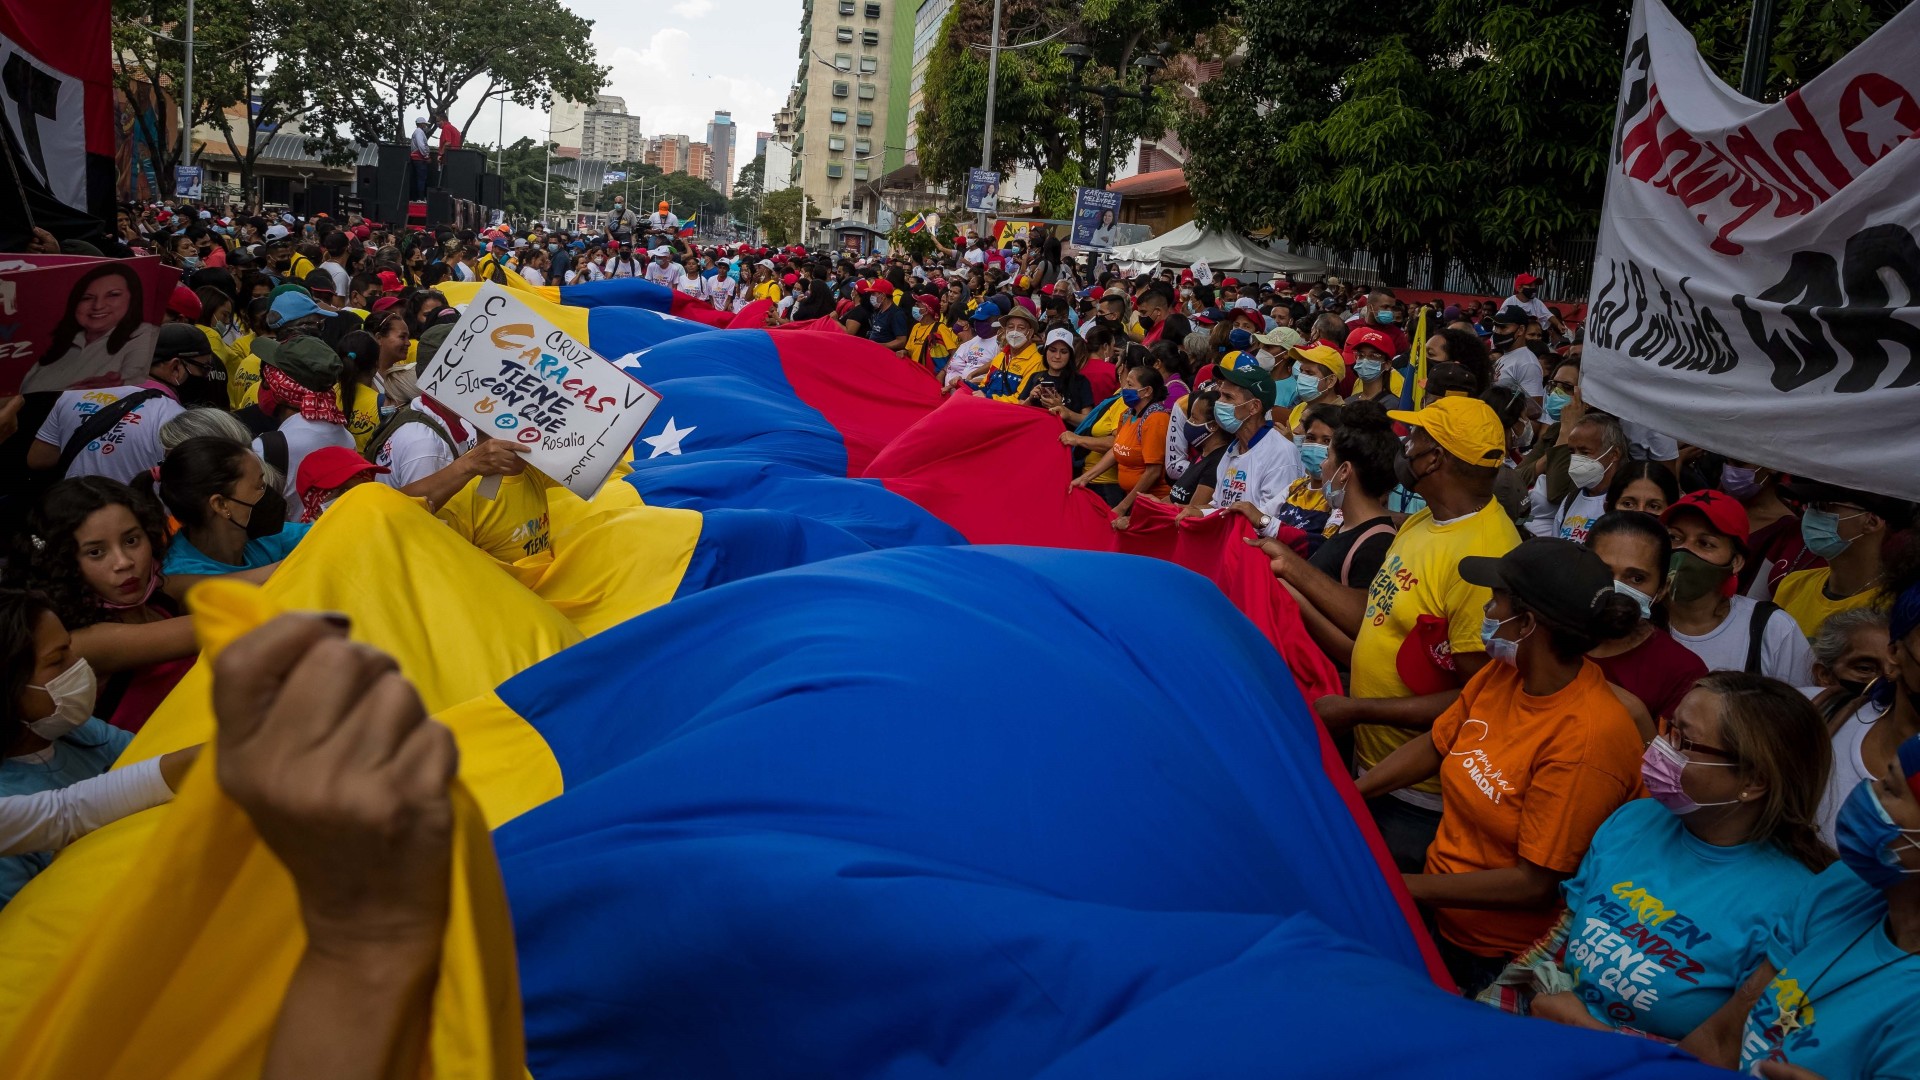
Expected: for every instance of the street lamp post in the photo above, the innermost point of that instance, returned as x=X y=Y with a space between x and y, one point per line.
x=546 y=145
x=986 y=136
x=1110 y=94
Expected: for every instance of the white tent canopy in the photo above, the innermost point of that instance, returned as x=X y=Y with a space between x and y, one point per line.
x=1223 y=252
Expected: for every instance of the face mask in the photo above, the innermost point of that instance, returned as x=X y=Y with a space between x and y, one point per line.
x=1556 y=401
x=1131 y=396
x=1403 y=473
x=1866 y=833
x=1312 y=456
x=1265 y=359
x=1226 y=416
x=1286 y=393
x=1523 y=439
x=1661 y=767
x=1336 y=496
x=1586 y=472
x=1507 y=652
x=269 y=514
x=1385 y=318
x=1502 y=342
x=1821 y=531
x=1369 y=370
x=1638 y=597
x=1694 y=577
x=1742 y=484
x=72 y=692
x=191 y=262
x=1016 y=339
x=1239 y=338
x=1195 y=433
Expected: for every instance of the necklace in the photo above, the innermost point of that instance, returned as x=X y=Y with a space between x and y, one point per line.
x=1790 y=1019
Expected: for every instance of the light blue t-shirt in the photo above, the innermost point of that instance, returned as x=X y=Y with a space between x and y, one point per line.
x=1842 y=1004
x=184 y=558
x=85 y=752
x=1664 y=926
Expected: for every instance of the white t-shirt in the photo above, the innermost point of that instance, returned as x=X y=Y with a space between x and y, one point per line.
x=415 y=451
x=339 y=275
x=971 y=355
x=1535 y=307
x=721 y=290
x=1520 y=369
x=661 y=222
x=592 y=271
x=304 y=436
x=1569 y=520
x=622 y=268
x=1848 y=769
x=464 y=272
x=975 y=256
x=1784 y=652
x=1646 y=444
x=692 y=284
x=1262 y=474
x=128 y=449
x=532 y=276
x=669 y=275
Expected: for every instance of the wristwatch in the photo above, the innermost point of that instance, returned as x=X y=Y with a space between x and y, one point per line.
x=1265 y=520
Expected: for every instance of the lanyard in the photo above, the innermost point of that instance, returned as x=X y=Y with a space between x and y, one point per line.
x=1790 y=1018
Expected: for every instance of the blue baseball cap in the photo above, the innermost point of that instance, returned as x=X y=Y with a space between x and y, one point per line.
x=986 y=312
x=294 y=304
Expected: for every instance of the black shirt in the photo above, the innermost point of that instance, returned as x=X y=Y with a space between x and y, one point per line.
x=889 y=324
x=1367 y=559
x=818 y=301
x=1205 y=471
x=1076 y=393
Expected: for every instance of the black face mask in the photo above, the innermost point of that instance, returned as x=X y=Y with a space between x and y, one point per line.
x=203 y=390
x=269 y=514
x=1503 y=342
x=1404 y=474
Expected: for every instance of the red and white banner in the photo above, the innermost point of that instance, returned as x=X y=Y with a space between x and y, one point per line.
x=56 y=70
x=1756 y=289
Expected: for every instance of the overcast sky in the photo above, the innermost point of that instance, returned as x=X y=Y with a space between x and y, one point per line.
x=676 y=61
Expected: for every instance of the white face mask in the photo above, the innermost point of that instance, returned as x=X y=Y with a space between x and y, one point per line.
x=1016 y=339
x=73 y=693
x=1587 y=472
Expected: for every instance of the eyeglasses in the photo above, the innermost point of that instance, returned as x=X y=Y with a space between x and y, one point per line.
x=1679 y=741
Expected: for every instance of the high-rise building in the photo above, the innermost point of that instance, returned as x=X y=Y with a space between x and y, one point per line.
x=722 y=138
x=608 y=132
x=848 y=104
x=760 y=141
x=564 y=126
x=700 y=161
x=668 y=153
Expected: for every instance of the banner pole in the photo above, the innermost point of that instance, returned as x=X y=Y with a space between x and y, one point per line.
x=1753 y=73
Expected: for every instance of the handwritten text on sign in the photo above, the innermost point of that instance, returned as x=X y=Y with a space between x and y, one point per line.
x=517 y=376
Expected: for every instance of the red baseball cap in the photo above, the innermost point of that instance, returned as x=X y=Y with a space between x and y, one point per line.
x=390 y=281
x=1521 y=281
x=184 y=302
x=877 y=285
x=790 y=280
x=330 y=466
x=1367 y=335
x=383 y=304
x=361 y=232
x=1230 y=282
x=1721 y=510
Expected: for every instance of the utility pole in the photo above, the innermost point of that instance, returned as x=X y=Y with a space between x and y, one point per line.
x=986 y=137
x=1753 y=74
x=186 y=99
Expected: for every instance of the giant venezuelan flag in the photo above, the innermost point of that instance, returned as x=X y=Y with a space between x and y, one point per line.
x=791 y=775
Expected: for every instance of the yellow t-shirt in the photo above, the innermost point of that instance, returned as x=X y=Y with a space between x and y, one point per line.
x=1108 y=423
x=767 y=290
x=1804 y=594
x=298 y=268
x=1297 y=416
x=1421 y=576
x=243 y=382
x=363 y=416
x=512 y=525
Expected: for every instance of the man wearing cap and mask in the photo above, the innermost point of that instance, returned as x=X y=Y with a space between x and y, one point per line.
x=1516 y=365
x=300 y=392
x=1849 y=528
x=663 y=221
x=1261 y=464
x=1526 y=297
x=1420 y=615
x=115 y=431
x=890 y=326
x=662 y=270
x=977 y=351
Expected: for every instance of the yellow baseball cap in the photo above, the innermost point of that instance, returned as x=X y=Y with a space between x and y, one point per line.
x=1465 y=427
x=1325 y=355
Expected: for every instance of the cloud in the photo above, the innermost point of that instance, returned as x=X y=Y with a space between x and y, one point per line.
x=692 y=9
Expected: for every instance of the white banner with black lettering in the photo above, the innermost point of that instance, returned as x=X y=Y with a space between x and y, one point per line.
x=1756 y=289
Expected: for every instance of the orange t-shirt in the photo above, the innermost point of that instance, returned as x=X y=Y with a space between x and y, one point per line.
x=1141 y=441
x=1529 y=778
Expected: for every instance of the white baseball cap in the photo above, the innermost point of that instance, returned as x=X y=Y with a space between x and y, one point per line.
x=1058 y=333
x=276 y=232
x=660 y=251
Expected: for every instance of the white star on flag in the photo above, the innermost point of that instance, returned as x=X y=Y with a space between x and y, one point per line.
x=1879 y=124
x=668 y=441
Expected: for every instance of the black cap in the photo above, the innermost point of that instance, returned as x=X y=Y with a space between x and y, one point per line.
x=180 y=339
x=1898 y=513
x=1513 y=315
x=319 y=283
x=1562 y=582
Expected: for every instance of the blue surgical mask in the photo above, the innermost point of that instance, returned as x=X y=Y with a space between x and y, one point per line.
x=1638 y=597
x=1307 y=386
x=1312 y=456
x=1286 y=393
x=1499 y=648
x=1131 y=396
x=1866 y=833
x=1224 y=415
x=1385 y=318
x=1821 y=531
x=1555 y=402
x=1369 y=370
x=1240 y=338
x=1195 y=433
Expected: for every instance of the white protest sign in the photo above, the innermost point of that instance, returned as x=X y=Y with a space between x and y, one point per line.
x=1203 y=273
x=1756 y=289
x=517 y=376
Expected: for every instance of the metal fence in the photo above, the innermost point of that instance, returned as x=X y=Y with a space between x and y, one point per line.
x=1565 y=269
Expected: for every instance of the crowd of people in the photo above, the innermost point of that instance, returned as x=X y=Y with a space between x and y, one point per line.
x=1639 y=723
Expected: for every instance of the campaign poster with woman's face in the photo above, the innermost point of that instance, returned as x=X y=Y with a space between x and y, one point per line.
x=71 y=321
x=1096 y=217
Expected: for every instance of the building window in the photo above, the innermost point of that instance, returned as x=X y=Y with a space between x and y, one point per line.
x=866 y=119
x=869 y=65
x=873 y=9
x=846 y=7
x=839 y=116
x=866 y=91
x=836 y=143
x=863 y=146
x=845 y=34
x=835 y=170
x=859 y=172
x=843 y=61
x=859 y=204
x=870 y=38
x=840 y=89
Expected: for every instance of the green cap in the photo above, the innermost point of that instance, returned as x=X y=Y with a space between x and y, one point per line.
x=429 y=344
x=308 y=361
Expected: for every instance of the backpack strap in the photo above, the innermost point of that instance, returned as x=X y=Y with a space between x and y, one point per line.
x=101 y=422
x=1756 y=633
x=1346 y=564
x=381 y=435
x=273 y=447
